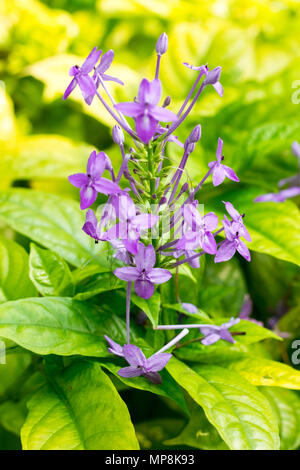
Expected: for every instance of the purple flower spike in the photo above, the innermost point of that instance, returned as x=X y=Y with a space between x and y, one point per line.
x=220 y=171
x=105 y=63
x=281 y=196
x=144 y=275
x=145 y=111
x=215 y=333
x=139 y=365
x=82 y=78
x=91 y=183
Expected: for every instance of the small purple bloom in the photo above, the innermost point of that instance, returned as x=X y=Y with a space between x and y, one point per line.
x=281 y=196
x=232 y=243
x=211 y=76
x=220 y=171
x=139 y=365
x=199 y=232
x=130 y=224
x=91 y=183
x=214 y=333
x=144 y=275
x=82 y=78
x=145 y=111
x=100 y=70
x=237 y=224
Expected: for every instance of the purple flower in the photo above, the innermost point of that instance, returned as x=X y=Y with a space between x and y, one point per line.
x=145 y=111
x=237 y=224
x=232 y=243
x=138 y=364
x=91 y=183
x=91 y=226
x=199 y=232
x=130 y=224
x=214 y=333
x=105 y=63
x=281 y=196
x=144 y=275
x=211 y=76
x=220 y=171
x=82 y=78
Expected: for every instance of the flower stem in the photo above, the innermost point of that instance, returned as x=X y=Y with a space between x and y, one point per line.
x=128 y=294
x=175 y=340
x=190 y=94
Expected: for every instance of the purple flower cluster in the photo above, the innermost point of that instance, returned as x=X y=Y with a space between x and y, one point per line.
x=155 y=224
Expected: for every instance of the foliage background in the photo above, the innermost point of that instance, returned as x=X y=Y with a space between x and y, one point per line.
x=44 y=139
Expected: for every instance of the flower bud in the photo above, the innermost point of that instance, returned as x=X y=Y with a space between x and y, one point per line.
x=162 y=44
x=195 y=134
x=166 y=102
x=118 y=135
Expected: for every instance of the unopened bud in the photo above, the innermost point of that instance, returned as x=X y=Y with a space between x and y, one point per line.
x=167 y=102
x=195 y=134
x=162 y=44
x=118 y=135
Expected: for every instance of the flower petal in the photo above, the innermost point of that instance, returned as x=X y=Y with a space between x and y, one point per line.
x=96 y=164
x=105 y=186
x=231 y=210
x=145 y=127
x=243 y=250
x=129 y=372
x=134 y=355
x=157 y=362
x=109 y=78
x=162 y=114
x=210 y=339
x=230 y=173
x=106 y=61
x=145 y=221
x=219 y=149
x=114 y=348
x=88 y=196
x=70 y=88
x=144 y=289
x=209 y=244
x=130 y=109
x=159 y=275
x=225 y=251
x=91 y=60
x=210 y=221
x=127 y=274
x=78 y=180
x=218 y=174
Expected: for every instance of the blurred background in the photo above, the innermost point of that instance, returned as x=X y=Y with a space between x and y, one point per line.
x=256 y=42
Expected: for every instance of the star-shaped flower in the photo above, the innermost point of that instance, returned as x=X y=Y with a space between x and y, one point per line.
x=82 y=78
x=91 y=183
x=105 y=63
x=220 y=171
x=146 y=111
x=144 y=275
x=214 y=333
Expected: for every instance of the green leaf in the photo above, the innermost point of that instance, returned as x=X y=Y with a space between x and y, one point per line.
x=96 y=284
x=169 y=388
x=59 y=325
x=78 y=410
x=286 y=406
x=14 y=272
x=240 y=413
x=260 y=371
x=49 y=273
x=151 y=306
x=51 y=221
x=198 y=433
